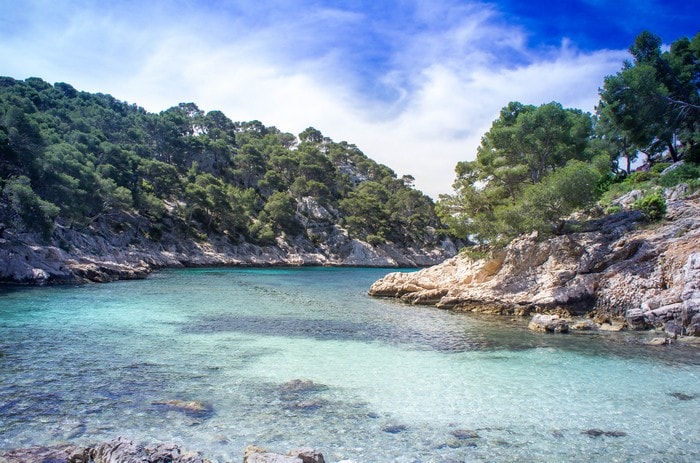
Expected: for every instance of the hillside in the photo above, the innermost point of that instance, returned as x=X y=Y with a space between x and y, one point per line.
x=95 y=188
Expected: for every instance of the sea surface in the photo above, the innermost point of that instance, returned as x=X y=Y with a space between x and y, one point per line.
x=283 y=358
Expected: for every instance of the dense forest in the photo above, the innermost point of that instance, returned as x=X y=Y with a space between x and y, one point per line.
x=539 y=164
x=69 y=158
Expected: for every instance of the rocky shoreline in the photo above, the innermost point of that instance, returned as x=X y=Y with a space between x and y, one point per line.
x=118 y=248
x=614 y=273
x=124 y=450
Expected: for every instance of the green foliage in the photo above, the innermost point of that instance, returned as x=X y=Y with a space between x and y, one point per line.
x=537 y=165
x=278 y=212
x=652 y=205
x=659 y=167
x=681 y=174
x=34 y=213
x=637 y=178
x=564 y=191
x=652 y=103
x=76 y=157
x=614 y=209
x=503 y=192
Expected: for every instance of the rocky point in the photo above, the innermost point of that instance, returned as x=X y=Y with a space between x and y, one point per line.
x=619 y=271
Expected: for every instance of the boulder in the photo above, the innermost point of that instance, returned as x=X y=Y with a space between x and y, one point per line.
x=253 y=454
x=614 y=327
x=637 y=320
x=659 y=342
x=548 y=324
x=673 y=329
x=584 y=325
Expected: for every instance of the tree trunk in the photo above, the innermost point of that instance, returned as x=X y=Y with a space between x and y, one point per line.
x=672 y=151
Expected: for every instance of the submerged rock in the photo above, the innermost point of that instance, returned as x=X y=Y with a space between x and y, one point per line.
x=190 y=407
x=253 y=454
x=41 y=454
x=299 y=394
x=306 y=405
x=394 y=428
x=683 y=396
x=302 y=386
x=465 y=434
x=599 y=432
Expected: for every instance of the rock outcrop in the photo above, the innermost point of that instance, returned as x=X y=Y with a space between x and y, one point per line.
x=123 y=450
x=119 y=450
x=617 y=269
x=121 y=247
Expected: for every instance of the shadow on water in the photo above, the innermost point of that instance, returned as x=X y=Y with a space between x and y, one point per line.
x=432 y=329
x=334 y=330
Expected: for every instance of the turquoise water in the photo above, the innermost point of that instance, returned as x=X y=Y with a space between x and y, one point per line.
x=391 y=383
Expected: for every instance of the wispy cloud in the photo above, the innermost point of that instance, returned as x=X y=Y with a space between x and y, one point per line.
x=414 y=86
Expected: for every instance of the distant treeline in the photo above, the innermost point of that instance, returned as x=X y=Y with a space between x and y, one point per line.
x=69 y=157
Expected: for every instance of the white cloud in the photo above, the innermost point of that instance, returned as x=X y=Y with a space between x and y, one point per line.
x=448 y=83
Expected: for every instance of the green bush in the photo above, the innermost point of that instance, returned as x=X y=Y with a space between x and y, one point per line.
x=35 y=213
x=639 y=177
x=613 y=209
x=660 y=167
x=615 y=191
x=681 y=174
x=653 y=206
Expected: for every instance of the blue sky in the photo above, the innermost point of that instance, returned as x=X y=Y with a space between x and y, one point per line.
x=414 y=84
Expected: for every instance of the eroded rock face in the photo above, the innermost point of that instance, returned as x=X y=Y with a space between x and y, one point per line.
x=623 y=272
x=116 y=248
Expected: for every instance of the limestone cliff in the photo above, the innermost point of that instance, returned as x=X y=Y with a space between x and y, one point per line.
x=617 y=269
x=119 y=247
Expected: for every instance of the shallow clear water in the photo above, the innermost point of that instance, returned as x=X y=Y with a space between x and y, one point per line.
x=391 y=383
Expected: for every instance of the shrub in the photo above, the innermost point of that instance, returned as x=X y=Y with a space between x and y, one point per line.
x=660 y=167
x=613 y=209
x=639 y=177
x=681 y=174
x=653 y=206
